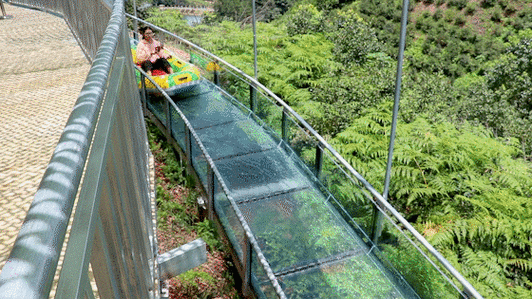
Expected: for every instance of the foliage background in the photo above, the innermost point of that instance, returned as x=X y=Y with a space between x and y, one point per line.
x=461 y=169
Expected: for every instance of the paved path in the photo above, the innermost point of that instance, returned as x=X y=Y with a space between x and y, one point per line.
x=42 y=70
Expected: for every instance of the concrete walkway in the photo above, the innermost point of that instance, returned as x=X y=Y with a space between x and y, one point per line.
x=42 y=70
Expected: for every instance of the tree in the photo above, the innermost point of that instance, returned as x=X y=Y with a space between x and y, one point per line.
x=353 y=40
x=241 y=10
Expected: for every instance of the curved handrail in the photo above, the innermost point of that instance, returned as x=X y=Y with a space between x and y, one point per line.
x=30 y=268
x=380 y=201
x=235 y=207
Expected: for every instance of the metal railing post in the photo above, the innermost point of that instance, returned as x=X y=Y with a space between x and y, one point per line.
x=216 y=75
x=252 y=98
x=188 y=145
x=143 y=94
x=168 y=115
x=246 y=280
x=284 y=126
x=319 y=160
x=377 y=227
x=4 y=14
x=210 y=193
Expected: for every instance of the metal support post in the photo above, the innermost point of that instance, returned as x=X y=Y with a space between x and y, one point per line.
x=188 y=145
x=210 y=193
x=143 y=94
x=284 y=126
x=254 y=39
x=168 y=115
x=246 y=280
x=377 y=228
x=216 y=76
x=252 y=98
x=319 y=160
x=4 y=15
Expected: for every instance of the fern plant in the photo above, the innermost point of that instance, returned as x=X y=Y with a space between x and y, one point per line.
x=462 y=180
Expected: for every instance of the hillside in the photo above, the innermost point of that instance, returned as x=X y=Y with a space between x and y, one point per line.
x=462 y=171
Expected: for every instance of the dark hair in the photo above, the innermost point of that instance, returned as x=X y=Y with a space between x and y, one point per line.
x=143 y=29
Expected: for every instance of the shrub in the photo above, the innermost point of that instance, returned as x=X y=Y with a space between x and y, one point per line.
x=496 y=15
x=471 y=8
x=305 y=19
x=449 y=15
x=488 y=3
x=510 y=10
x=438 y=14
x=459 y=4
x=503 y=3
x=460 y=20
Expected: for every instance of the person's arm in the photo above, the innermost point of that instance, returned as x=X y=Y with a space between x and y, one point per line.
x=161 y=53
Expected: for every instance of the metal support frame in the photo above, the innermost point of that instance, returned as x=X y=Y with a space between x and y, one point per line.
x=284 y=126
x=319 y=160
x=216 y=74
x=377 y=219
x=210 y=192
x=247 y=288
x=180 y=260
x=168 y=116
x=143 y=94
x=188 y=144
x=4 y=14
x=252 y=99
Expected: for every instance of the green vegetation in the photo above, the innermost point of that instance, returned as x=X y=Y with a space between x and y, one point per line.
x=179 y=222
x=462 y=164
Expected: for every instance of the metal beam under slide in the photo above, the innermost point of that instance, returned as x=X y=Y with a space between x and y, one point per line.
x=180 y=260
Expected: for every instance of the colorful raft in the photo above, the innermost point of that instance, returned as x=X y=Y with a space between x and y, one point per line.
x=185 y=75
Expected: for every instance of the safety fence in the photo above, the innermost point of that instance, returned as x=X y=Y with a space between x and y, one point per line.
x=400 y=249
x=101 y=158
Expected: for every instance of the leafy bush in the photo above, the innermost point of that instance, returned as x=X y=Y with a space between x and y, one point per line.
x=488 y=3
x=353 y=40
x=459 y=4
x=207 y=232
x=304 y=19
x=471 y=8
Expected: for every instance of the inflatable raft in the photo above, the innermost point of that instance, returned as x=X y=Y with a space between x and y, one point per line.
x=185 y=75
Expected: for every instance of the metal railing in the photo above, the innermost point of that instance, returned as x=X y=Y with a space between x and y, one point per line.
x=409 y=253
x=113 y=223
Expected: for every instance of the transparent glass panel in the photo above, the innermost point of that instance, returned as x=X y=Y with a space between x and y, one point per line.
x=269 y=113
x=259 y=279
x=209 y=109
x=235 y=139
x=357 y=276
x=347 y=197
x=261 y=174
x=229 y=220
x=301 y=143
x=199 y=162
x=299 y=228
x=235 y=87
x=178 y=128
x=404 y=260
x=156 y=105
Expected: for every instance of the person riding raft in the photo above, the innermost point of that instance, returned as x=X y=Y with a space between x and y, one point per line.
x=150 y=54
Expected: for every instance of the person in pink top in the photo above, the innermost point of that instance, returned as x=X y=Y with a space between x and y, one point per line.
x=150 y=54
